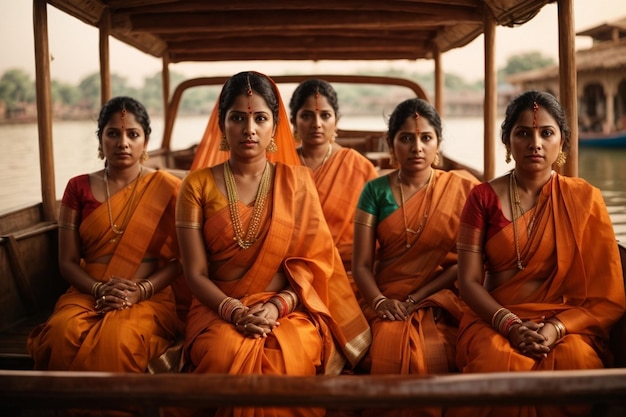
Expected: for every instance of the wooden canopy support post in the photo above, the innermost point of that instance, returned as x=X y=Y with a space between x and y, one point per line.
x=44 y=110
x=568 y=81
x=439 y=81
x=165 y=81
x=491 y=97
x=105 y=69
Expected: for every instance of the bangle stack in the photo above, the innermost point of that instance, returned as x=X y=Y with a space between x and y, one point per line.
x=410 y=299
x=146 y=288
x=377 y=301
x=227 y=307
x=503 y=320
x=559 y=326
x=285 y=301
x=95 y=288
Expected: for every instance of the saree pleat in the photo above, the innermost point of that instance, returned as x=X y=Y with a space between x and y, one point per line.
x=339 y=182
x=320 y=338
x=419 y=345
x=573 y=249
x=76 y=337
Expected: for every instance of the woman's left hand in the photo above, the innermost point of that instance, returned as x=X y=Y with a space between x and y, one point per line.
x=117 y=294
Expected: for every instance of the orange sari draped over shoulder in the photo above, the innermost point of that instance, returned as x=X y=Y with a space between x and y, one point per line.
x=339 y=182
x=318 y=338
x=572 y=249
x=419 y=344
x=76 y=337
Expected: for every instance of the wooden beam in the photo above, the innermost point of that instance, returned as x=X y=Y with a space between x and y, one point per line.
x=105 y=64
x=44 y=110
x=236 y=55
x=55 y=389
x=491 y=98
x=568 y=95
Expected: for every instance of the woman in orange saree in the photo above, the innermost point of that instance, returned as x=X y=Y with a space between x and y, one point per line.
x=271 y=296
x=339 y=173
x=404 y=252
x=553 y=285
x=118 y=250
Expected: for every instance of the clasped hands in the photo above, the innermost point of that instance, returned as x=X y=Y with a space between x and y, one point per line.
x=256 y=321
x=532 y=339
x=392 y=309
x=117 y=294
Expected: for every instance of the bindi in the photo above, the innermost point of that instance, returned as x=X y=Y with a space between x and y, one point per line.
x=317 y=104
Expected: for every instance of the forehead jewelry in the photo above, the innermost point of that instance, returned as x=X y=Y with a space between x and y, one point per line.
x=417 y=129
x=535 y=110
x=249 y=93
x=122 y=116
x=317 y=104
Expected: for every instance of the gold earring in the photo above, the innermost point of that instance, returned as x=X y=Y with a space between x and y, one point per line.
x=271 y=147
x=392 y=159
x=436 y=161
x=100 y=153
x=224 y=146
x=561 y=159
x=507 y=158
x=144 y=156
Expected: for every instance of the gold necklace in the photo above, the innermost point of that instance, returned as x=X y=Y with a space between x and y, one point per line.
x=259 y=205
x=407 y=230
x=330 y=151
x=118 y=230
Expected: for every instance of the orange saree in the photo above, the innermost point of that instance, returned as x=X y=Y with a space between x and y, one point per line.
x=574 y=253
x=339 y=182
x=77 y=338
x=318 y=338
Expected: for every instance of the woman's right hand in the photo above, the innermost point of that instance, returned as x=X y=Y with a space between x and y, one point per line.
x=528 y=341
x=391 y=309
x=257 y=321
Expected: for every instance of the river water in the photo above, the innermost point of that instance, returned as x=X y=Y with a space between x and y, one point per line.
x=75 y=152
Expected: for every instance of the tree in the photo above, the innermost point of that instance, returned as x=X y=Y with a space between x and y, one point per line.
x=525 y=62
x=16 y=88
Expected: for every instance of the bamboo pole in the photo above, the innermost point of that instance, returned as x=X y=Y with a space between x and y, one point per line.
x=491 y=97
x=44 y=110
x=105 y=69
x=568 y=81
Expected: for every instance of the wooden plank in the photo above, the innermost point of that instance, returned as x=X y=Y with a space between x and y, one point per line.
x=51 y=389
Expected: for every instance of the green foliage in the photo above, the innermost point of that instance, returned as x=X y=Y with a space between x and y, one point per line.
x=16 y=88
x=525 y=62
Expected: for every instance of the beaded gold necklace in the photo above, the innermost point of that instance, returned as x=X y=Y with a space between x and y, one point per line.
x=119 y=230
x=427 y=200
x=259 y=205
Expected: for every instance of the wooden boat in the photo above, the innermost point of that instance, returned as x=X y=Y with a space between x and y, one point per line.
x=193 y=30
x=603 y=140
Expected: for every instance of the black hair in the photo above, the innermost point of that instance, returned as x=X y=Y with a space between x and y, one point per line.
x=239 y=84
x=116 y=105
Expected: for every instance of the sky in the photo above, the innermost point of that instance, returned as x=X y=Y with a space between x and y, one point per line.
x=74 y=47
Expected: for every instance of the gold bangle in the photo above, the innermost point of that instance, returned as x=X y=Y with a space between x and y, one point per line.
x=559 y=327
x=95 y=288
x=149 y=283
x=375 y=301
x=410 y=299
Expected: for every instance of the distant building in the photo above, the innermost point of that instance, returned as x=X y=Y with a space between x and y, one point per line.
x=601 y=79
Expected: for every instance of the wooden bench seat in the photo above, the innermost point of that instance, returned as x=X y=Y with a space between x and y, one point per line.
x=605 y=388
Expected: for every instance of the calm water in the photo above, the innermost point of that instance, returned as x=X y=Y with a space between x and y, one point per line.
x=75 y=152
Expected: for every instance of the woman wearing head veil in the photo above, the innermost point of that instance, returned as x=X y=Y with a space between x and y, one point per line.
x=271 y=296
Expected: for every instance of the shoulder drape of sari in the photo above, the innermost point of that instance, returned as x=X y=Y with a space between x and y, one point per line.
x=419 y=344
x=75 y=337
x=574 y=251
x=294 y=237
x=339 y=182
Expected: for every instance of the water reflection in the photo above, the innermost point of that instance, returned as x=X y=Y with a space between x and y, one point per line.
x=604 y=168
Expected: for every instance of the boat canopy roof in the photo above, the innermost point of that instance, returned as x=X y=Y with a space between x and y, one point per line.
x=199 y=30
